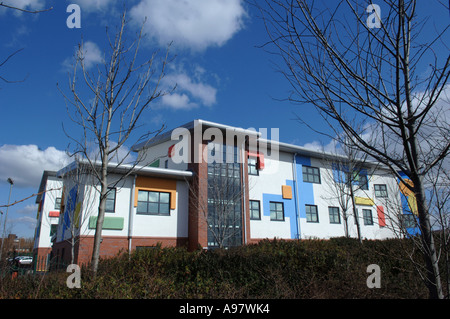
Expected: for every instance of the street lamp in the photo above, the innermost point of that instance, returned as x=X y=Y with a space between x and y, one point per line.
x=11 y=182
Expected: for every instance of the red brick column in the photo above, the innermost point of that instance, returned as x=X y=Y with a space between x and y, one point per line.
x=198 y=199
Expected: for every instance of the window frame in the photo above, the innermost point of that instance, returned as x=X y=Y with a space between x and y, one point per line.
x=308 y=214
x=380 y=193
x=148 y=202
x=111 y=191
x=252 y=168
x=276 y=219
x=334 y=214
x=58 y=203
x=361 y=179
x=307 y=174
x=251 y=210
x=408 y=221
x=53 y=229
x=366 y=217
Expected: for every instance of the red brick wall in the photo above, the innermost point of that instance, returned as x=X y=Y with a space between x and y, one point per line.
x=198 y=200
x=111 y=246
x=40 y=256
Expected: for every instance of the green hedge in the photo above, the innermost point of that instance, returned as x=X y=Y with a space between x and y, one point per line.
x=335 y=268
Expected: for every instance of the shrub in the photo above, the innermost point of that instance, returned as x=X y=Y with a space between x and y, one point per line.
x=335 y=268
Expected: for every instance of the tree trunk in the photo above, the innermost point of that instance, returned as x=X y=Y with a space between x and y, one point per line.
x=433 y=282
x=101 y=216
x=355 y=211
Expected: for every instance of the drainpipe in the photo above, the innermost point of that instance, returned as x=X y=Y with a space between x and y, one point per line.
x=131 y=215
x=243 y=154
x=294 y=174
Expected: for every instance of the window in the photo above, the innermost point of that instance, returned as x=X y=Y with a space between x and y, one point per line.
x=255 y=211
x=111 y=200
x=367 y=216
x=361 y=180
x=335 y=218
x=380 y=190
x=312 y=215
x=53 y=229
x=58 y=203
x=166 y=164
x=252 y=166
x=276 y=211
x=311 y=174
x=408 y=221
x=153 y=203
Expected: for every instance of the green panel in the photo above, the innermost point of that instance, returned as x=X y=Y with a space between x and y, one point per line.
x=154 y=164
x=108 y=223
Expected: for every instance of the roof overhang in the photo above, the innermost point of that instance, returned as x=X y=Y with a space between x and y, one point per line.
x=196 y=124
x=127 y=169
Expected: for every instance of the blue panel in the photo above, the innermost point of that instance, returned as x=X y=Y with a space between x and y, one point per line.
x=413 y=231
x=289 y=208
x=305 y=191
x=70 y=207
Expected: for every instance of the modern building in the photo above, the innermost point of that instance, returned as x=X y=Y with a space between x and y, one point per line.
x=49 y=203
x=208 y=185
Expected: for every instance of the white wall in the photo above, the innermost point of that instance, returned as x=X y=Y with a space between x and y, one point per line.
x=275 y=174
x=269 y=183
x=43 y=240
x=174 y=225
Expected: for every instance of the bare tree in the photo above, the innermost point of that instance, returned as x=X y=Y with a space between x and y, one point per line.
x=120 y=92
x=221 y=205
x=79 y=204
x=2 y=4
x=438 y=187
x=349 y=174
x=351 y=71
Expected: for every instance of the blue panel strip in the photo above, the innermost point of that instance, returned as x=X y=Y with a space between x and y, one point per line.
x=305 y=190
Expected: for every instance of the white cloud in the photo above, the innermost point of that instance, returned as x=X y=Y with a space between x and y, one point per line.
x=178 y=101
x=191 y=85
x=193 y=24
x=90 y=53
x=330 y=147
x=26 y=163
x=92 y=5
x=189 y=93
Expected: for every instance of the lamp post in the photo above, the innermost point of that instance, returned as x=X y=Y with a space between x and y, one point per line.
x=11 y=182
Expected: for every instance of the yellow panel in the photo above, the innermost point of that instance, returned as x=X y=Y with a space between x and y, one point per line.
x=411 y=197
x=286 y=191
x=157 y=185
x=364 y=201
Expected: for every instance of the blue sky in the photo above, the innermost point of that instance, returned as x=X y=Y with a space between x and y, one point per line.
x=221 y=73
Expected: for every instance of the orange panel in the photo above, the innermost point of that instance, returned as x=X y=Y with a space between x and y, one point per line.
x=157 y=185
x=286 y=191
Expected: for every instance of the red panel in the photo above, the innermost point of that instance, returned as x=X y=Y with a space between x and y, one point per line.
x=260 y=161
x=260 y=157
x=53 y=214
x=171 y=150
x=381 y=218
